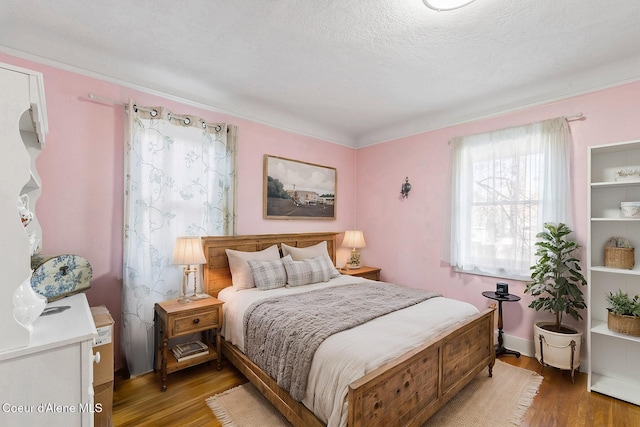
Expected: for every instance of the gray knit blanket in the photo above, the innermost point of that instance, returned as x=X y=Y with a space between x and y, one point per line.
x=283 y=333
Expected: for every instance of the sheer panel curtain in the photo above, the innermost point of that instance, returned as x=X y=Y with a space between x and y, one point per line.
x=179 y=181
x=504 y=186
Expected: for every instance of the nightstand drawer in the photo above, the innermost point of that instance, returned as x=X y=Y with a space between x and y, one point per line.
x=194 y=322
x=371 y=273
x=371 y=276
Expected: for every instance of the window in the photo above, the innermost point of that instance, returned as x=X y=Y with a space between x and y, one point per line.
x=505 y=185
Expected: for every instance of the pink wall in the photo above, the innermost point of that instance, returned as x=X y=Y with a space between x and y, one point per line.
x=82 y=173
x=81 y=167
x=405 y=236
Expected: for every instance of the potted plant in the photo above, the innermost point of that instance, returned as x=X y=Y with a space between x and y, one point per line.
x=557 y=281
x=624 y=313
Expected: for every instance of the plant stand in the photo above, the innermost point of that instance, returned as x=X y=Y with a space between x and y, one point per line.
x=556 y=349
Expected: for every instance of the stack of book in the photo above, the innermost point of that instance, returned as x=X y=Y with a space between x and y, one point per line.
x=190 y=350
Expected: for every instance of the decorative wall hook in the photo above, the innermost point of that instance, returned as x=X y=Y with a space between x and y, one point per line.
x=406 y=187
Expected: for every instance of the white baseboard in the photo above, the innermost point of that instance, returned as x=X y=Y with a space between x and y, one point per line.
x=525 y=347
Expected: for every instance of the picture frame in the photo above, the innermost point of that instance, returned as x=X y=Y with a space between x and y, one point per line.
x=294 y=189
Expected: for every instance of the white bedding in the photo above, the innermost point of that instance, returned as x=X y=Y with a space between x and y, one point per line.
x=348 y=355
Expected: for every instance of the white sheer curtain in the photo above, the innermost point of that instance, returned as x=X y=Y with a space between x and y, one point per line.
x=505 y=185
x=179 y=181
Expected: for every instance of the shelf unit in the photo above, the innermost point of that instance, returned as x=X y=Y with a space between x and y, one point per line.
x=23 y=125
x=173 y=365
x=613 y=368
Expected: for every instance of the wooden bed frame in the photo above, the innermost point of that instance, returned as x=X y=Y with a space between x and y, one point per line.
x=405 y=391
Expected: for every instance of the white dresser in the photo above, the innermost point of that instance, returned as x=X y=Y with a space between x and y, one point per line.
x=49 y=382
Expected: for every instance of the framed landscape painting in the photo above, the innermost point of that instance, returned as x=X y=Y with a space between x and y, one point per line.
x=298 y=190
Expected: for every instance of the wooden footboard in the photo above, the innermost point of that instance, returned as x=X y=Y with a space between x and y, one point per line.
x=408 y=390
x=405 y=391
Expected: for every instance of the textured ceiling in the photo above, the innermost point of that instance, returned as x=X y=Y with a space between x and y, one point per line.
x=354 y=72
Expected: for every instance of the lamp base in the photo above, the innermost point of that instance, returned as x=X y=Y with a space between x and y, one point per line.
x=354 y=262
x=196 y=297
x=185 y=280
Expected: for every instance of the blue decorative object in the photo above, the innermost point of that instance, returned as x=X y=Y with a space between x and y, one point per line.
x=56 y=277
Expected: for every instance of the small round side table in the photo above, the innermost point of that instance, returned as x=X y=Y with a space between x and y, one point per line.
x=501 y=298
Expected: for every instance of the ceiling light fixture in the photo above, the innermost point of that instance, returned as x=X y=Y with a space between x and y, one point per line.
x=441 y=5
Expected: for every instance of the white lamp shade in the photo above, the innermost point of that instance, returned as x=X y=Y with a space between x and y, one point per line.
x=188 y=251
x=354 y=239
x=440 y=5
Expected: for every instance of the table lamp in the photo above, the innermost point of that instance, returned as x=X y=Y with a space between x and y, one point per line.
x=354 y=239
x=188 y=252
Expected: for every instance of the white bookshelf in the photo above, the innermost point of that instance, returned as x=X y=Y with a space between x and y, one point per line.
x=613 y=367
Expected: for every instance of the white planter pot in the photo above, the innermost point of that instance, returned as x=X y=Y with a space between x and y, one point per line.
x=556 y=349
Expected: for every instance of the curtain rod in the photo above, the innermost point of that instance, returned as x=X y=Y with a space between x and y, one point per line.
x=575 y=117
x=94 y=97
x=185 y=119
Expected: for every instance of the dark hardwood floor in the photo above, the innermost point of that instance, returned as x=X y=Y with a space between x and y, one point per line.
x=560 y=403
x=138 y=401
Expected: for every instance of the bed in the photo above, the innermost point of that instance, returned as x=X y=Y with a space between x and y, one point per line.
x=404 y=390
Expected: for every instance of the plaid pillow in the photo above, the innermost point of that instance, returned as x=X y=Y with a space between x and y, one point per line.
x=268 y=274
x=328 y=267
x=241 y=275
x=313 y=270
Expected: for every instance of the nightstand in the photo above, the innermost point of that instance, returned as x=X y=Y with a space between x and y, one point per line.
x=364 y=272
x=174 y=319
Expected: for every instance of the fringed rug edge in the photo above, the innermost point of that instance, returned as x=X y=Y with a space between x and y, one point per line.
x=526 y=398
x=220 y=413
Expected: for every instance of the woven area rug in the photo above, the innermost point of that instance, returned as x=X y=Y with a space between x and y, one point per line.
x=500 y=401
x=245 y=406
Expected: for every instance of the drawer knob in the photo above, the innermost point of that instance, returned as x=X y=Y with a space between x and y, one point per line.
x=196 y=320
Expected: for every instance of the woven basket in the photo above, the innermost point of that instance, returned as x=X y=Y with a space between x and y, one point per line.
x=629 y=325
x=619 y=257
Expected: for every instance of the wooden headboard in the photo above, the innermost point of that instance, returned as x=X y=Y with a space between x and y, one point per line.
x=217 y=275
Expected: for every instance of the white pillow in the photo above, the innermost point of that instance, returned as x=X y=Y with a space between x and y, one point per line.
x=305 y=272
x=241 y=275
x=299 y=254
x=268 y=274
